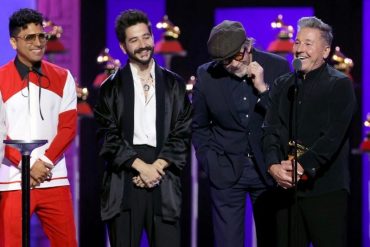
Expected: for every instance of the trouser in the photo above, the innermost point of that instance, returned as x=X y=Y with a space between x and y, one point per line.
x=53 y=206
x=125 y=230
x=228 y=211
x=320 y=220
x=142 y=212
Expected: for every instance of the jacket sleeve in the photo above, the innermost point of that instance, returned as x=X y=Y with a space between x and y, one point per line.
x=281 y=68
x=342 y=105
x=115 y=149
x=67 y=123
x=272 y=126
x=176 y=147
x=201 y=122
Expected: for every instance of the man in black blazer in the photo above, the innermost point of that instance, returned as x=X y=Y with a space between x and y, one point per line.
x=230 y=101
x=144 y=113
x=317 y=117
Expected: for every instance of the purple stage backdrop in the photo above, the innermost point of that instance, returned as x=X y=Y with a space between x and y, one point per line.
x=154 y=9
x=6 y=10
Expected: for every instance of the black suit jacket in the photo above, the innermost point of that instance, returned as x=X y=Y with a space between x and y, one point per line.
x=326 y=104
x=219 y=137
x=115 y=113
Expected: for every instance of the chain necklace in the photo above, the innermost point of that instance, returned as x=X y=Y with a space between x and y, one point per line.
x=146 y=82
x=146 y=87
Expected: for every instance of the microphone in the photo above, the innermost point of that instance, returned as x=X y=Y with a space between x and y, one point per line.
x=297 y=64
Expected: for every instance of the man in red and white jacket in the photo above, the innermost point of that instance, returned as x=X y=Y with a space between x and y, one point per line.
x=39 y=100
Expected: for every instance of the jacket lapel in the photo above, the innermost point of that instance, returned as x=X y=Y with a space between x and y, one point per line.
x=129 y=102
x=161 y=93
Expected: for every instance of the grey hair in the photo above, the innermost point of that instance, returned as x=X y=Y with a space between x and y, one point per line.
x=314 y=22
x=249 y=41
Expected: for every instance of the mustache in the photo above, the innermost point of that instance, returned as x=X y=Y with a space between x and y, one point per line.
x=39 y=46
x=147 y=48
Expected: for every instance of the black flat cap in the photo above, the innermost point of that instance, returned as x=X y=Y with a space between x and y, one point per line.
x=226 y=39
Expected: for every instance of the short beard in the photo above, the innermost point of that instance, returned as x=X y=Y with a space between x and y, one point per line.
x=142 y=62
x=237 y=72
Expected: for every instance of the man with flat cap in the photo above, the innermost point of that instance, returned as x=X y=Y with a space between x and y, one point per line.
x=230 y=101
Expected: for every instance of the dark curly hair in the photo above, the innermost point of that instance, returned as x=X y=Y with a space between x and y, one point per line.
x=127 y=19
x=21 y=18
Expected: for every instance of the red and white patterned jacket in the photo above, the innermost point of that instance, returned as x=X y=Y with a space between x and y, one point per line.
x=25 y=104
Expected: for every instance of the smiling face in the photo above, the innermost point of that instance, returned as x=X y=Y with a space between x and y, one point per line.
x=139 y=44
x=29 y=53
x=311 y=48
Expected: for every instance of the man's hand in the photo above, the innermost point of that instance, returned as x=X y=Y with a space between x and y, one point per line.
x=160 y=165
x=282 y=173
x=148 y=173
x=300 y=169
x=255 y=72
x=150 y=176
x=138 y=182
x=33 y=183
x=40 y=172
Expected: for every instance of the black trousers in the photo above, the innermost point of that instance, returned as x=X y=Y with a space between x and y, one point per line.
x=320 y=220
x=125 y=230
x=228 y=211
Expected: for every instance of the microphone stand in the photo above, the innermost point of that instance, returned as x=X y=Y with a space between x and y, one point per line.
x=295 y=241
x=297 y=65
x=25 y=147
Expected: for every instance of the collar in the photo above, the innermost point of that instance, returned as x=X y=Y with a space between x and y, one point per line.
x=23 y=69
x=134 y=70
x=314 y=73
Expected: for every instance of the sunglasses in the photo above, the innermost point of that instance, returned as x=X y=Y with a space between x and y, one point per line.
x=30 y=38
x=238 y=57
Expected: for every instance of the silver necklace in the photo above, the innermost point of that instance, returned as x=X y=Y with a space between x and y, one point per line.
x=146 y=82
x=146 y=87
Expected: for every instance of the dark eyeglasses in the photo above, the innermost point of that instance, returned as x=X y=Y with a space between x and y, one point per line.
x=30 y=38
x=238 y=57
